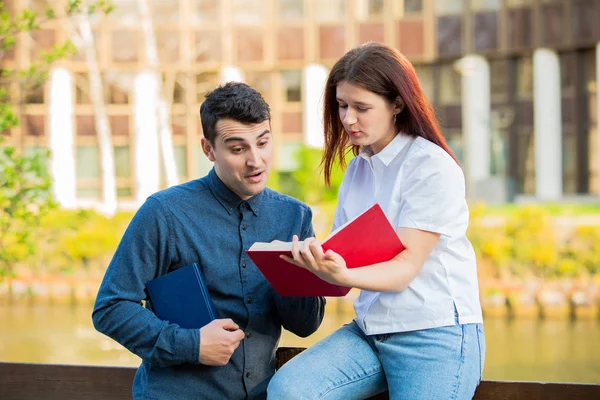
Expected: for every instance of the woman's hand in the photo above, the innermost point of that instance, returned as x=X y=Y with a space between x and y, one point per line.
x=328 y=265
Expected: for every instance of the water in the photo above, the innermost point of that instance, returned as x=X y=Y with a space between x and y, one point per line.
x=522 y=349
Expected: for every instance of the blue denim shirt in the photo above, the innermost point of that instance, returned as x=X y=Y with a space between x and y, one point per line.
x=203 y=221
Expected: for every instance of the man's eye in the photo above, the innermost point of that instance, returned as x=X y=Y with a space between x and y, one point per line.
x=263 y=143
x=236 y=150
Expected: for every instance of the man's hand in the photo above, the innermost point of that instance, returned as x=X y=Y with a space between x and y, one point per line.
x=218 y=341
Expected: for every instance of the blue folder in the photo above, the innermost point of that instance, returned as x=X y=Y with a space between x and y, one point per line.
x=181 y=297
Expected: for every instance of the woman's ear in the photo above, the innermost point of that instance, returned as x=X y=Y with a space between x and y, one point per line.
x=399 y=105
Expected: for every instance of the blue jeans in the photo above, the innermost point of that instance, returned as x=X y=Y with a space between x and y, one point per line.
x=439 y=363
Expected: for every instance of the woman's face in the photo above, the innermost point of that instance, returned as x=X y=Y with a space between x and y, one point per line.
x=368 y=118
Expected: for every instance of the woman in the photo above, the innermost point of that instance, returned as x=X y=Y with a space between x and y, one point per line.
x=418 y=328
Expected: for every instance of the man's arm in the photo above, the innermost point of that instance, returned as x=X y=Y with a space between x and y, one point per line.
x=143 y=252
x=301 y=315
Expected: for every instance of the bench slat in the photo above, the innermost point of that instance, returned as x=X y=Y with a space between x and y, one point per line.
x=24 y=381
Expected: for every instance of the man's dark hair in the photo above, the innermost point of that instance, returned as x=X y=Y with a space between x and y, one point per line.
x=236 y=101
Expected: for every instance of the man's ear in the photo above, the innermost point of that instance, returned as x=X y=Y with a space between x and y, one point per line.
x=207 y=148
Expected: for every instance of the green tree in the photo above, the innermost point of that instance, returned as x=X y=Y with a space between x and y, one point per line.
x=25 y=183
x=306 y=182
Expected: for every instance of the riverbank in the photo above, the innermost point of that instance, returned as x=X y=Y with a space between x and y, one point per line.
x=531 y=298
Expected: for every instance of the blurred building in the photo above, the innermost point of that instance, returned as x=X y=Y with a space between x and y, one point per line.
x=514 y=82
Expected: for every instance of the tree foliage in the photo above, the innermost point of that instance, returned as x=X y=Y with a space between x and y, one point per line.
x=25 y=183
x=306 y=182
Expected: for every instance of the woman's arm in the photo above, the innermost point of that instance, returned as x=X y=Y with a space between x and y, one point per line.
x=390 y=276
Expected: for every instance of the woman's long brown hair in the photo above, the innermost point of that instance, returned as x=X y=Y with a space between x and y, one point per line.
x=382 y=70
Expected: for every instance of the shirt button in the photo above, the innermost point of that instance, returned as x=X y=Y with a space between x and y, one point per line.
x=247 y=374
x=244 y=265
x=249 y=300
x=244 y=227
x=249 y=334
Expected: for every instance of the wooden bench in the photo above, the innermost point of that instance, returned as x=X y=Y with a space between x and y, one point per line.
x=23 y=381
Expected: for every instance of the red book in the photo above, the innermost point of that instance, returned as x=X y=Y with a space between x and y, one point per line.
x=365 y=240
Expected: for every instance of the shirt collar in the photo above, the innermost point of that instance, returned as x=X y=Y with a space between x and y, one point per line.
x=228 y=199
x=390 y=151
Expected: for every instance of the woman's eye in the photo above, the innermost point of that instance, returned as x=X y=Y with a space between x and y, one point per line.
x=343 y=105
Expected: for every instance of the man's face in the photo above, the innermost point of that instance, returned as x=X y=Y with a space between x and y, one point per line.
x=242 y=155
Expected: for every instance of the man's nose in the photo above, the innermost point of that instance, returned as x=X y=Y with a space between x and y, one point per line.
x=253 y=158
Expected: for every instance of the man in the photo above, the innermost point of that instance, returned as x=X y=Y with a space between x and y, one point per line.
x=211 y=221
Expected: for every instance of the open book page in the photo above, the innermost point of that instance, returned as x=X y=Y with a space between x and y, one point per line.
x=339 y=228
x=273 y=246
x=287 y=246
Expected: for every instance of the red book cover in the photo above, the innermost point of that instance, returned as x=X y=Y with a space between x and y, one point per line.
x=365 y=240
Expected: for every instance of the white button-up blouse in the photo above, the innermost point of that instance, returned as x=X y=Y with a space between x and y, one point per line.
x=418 y=185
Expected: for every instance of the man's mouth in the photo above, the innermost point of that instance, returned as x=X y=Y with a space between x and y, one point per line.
x=255 y=176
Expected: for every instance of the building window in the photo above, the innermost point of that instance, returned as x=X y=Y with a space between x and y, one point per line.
x=178 y=124
x=292 y=85
x=35 y=95
x=291 y=122
x=86 y=125
x=122 y=162
x=525 y=161
x=425 y=75
x=520 y=3
x=448 y=7
x=250 y=45
x=449 y=26
x=165 y=11
x=82 y=88
x=167 y=45
x=413 y=6
x=331 y=41
x=368 y=9
x=203 y=164
x=248 y=11
x=43 y=40
x=290 y=43
x=260 y=81
x=34 y=125
x=291 y=9
x=499 y=88
x=205 y=82
x=117 y=86
x=525 y=78
x=126 y=12
x=205 y=11
x=124 y=46
x=330 y=10
x=119 y=125
x=181 y=161
x=87 y=163
x=450 y=84
x=486 y=5
x=207 y=46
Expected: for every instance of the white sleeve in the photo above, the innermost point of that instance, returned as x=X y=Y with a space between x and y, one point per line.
x=432 y=195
